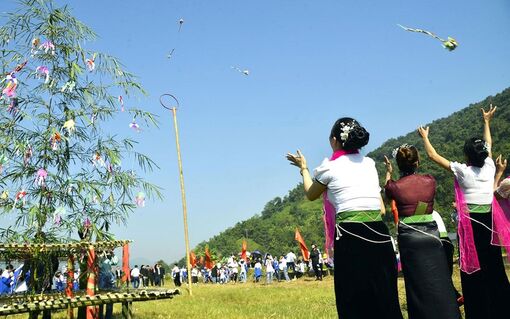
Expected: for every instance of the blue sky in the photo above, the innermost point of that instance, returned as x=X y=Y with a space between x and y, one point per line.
x=310 y=62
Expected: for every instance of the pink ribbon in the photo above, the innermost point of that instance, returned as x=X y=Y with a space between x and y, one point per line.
x=469 y=262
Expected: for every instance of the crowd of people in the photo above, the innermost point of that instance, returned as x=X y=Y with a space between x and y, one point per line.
x=145 y=276
x=257 y=269
x=365 y=274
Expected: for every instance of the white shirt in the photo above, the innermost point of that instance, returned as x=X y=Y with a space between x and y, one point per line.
x=269 y=265
x=352 y=181
x=283 y=264
x=258 y=265
x=476 y=182
x=135 y=272
x=291 y=257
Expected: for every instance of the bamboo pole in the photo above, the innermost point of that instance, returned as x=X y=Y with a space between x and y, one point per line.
x=183 y=192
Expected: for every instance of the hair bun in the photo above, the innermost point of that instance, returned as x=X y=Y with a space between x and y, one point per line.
x=357 y=138
x=476 y=150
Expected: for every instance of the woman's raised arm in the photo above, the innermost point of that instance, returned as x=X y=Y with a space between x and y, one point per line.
x=431 y=151
x=313 y=189
x=487 y=117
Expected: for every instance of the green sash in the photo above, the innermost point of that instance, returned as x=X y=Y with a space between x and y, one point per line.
x=479 y=209
x=363 y=216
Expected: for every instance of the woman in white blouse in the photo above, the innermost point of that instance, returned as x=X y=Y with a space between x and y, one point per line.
x=485 y=285
x=365 y=264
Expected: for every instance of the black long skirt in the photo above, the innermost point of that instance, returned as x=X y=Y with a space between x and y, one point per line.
x=487 y=291
x=429 y=288
x=365 y=274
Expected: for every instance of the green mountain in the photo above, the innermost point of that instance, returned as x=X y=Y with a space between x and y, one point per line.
x=273 y=229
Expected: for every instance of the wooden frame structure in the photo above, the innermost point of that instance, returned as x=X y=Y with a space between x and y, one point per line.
x=91 y=298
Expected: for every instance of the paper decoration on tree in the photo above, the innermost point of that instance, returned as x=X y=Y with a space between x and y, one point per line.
x=40 y=177
x=5 y=195
x=56 y=138
x=97 y=160
x=48 y=46
x=43 y=71
x=11 y=85
x=27 y=155
x=68 y=86
x=450 y=44
x=121 y=101
x=35 y=45
x=134 y=126
x=57 y=215
x=13 y=106
x=69 y=125
x=140 y=199
x=20 y=66
x=245 y=72
x=3 y=162
x=20 y=196
x=91 y=63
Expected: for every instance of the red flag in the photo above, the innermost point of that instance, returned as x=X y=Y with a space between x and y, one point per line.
x=302 y=245
x=243 y=250
x=192 y=259
x=208 y=261
x=394 y=210
x=201 y=262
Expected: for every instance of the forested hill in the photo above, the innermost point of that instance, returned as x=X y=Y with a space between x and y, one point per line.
x=447 y=135
x=273 y=229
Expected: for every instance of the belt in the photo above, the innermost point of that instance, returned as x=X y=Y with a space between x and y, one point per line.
x=359 y=216
x=418 y=219
x=481 y=209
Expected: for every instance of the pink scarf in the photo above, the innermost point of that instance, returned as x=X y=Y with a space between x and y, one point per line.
x=469 y=262
x=329 y=217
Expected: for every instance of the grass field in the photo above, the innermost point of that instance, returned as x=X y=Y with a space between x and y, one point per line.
x=304 y=298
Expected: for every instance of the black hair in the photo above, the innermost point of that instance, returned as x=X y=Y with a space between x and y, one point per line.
x=356 y=138
x=407 y=159
x=476 y=151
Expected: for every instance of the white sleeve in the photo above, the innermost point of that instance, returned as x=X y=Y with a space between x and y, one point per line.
x=323 y=173
x=458 y=169
x=439 y=221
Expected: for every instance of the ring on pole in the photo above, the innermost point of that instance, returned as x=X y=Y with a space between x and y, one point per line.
x=166 y=106
x=181 y=178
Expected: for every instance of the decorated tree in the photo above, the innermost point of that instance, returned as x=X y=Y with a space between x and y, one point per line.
x=61 y=170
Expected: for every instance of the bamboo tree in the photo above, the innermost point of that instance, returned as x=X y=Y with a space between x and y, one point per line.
x=56 y=123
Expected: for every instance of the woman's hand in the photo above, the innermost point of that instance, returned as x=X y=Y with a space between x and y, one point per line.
x=313 y=189
x=389 y=167
x=424 y=132
x=500 y=164
x=487 y=116
x=297 y=160
x=500 y=169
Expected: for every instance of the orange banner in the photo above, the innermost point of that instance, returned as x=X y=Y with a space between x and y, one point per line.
x=208 y=261
x=302 y=245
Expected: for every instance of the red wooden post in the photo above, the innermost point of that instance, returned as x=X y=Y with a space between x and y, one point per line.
x=125 y=265
x=70 y=280
x=92 y=311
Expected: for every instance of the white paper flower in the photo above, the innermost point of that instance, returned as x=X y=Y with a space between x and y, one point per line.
x=395 y=151
x=346 y=129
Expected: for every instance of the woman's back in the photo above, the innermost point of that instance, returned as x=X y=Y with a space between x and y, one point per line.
x=410 y=190
x=352 y=182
